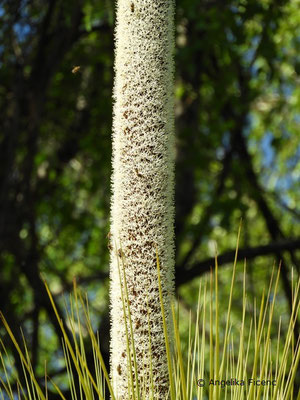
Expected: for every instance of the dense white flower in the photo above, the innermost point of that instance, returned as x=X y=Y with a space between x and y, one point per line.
x=142 y=211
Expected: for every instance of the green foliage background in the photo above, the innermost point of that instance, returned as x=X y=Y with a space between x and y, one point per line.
x=238 y=150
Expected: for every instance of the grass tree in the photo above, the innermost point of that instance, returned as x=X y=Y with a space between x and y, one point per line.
x=142 y=212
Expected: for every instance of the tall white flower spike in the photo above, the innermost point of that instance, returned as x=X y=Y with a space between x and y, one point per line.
x=142 y=211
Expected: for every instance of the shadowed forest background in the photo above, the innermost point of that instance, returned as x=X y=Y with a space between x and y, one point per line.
x=237 y=142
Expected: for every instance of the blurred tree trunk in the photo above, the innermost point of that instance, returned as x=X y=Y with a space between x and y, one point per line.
x=142 y=213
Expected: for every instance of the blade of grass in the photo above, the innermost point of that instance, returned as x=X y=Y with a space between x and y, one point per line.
x=172 y=389
x=229 y=306
x=211 y=350
x=73 y=354
x=217 y=334
x=257 y=347
x=266 y=349
x=57 y=389
x=179 y=354
x=131 y=328
x=293 y=370
x=293 y=318
x=23 y=360
x=97 y=348
x=150 y=349
x=191 y=381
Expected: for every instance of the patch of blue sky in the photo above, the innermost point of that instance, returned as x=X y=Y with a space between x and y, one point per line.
x=252 y=121
x=22 y=31
x=287 y=89
x=248 y=55
x=8 y=397
x=254 y=70
x=79 y=248
x=285 y=50
x=229 y=35
x=226 y=139
x=268 y=154
x=297 y=118
x=284 y=183
x=2 y=12
x=234 y=8
x=265 y=149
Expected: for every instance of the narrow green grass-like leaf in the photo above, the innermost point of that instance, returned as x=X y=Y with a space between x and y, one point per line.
x=293 y=371
x=211 y=350
x=57 y=389
x=126 y=309
x=96 y=348
x=217 y=333
x=131 y=329
x=258 y=334
x=169 y=358
x=22 y=357
x=294 y=316
x=179 y=354
x=276 y=355
x=7 y=387
x=150 y=351
x=229 y=307
x=76 y=357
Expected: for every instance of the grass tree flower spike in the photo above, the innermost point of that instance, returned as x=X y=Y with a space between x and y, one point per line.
x=142 y=211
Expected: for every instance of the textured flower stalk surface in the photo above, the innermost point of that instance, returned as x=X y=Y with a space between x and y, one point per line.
x=142 y=214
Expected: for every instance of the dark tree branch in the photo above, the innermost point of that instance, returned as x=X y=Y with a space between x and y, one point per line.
x=186 y=275
x=249 y=253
